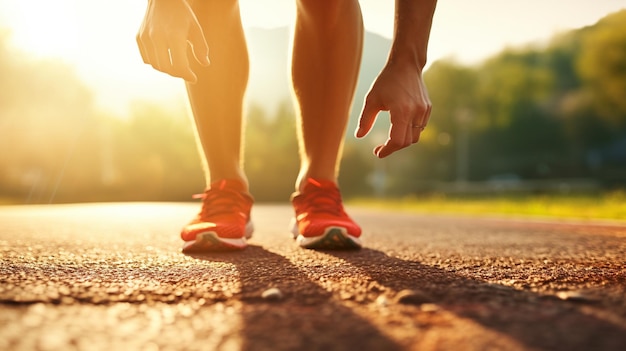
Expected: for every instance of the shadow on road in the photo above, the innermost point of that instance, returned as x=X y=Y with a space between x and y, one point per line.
x=536 y=321
x=118 y=261
x=307 y=318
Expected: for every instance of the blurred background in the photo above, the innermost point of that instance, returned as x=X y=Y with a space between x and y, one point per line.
x=529 y=97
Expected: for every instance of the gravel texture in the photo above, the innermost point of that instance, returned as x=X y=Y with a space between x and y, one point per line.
x=111 y=276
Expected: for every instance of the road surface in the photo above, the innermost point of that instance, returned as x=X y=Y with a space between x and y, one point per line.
x=111 y=277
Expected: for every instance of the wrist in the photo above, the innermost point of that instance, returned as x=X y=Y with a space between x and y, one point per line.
x=409 y=58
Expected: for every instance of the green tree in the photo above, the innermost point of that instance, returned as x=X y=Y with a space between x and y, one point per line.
x=153 y=156
x=517 y=132
x=602 y=66
x=271 y=153
x=452 y=89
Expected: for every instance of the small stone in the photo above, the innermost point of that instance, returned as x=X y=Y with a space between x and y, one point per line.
x=575 y=296
x=429 y=307
x=272 y=294
x=345 y=295
x=382 y=301
x=411 y=297
x=67 y=300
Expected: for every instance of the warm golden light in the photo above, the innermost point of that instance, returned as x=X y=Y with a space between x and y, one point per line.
x=98 y=37
x=72 y=76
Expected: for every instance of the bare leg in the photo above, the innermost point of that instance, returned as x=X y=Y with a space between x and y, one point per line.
x=327 y=48
x=217 y=98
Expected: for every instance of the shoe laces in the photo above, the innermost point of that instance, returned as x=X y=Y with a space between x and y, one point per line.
x=219 y=200
x=323 y=199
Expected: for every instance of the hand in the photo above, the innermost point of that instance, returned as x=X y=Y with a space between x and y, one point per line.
x=400 y=90
x=167 y=28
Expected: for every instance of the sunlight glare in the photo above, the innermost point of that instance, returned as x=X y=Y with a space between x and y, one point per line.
x=98 y=38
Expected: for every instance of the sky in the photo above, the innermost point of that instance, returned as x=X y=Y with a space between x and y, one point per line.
x=98 y=37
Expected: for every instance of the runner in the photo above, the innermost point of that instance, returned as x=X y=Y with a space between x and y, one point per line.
x=203 y=42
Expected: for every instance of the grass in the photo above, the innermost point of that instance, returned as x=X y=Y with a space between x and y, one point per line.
x=608 y=206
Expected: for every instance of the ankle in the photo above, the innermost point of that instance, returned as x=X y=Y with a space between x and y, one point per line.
x=236 y=176
x=302 y=182
x=236 y=183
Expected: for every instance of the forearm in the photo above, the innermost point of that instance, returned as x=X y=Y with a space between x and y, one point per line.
x=413 y=20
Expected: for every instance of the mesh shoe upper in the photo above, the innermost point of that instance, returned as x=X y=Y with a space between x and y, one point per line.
x=225 y=211
x=318 y=207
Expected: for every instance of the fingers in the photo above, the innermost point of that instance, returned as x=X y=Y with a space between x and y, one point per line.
x=180 y=63
x=367 y=119
x=142 y=50
x=167 y=58
x=199 y=45
x=421 y=122
x=400 y=136
x=404 y=131
x=162 y=61
x=424 y=114
x=414 y=133
x=168 y=52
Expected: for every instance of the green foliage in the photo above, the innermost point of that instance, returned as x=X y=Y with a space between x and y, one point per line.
x=356 y=170
x=537 y=112
x=55 y=147
x=602 y=66
x=451 y=88
x=555 y=111
x=152 y=156
x=271 y=153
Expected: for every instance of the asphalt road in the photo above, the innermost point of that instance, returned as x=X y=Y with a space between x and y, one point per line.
x=111 y=277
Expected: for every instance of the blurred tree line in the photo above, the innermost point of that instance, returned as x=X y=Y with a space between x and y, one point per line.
x=555 y=111
x=56 y=147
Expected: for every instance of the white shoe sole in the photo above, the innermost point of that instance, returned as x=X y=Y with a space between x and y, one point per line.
x=334 y=238
x=210 y=241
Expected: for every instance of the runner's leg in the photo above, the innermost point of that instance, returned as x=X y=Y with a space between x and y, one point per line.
x=327 y=48
x=217 y=98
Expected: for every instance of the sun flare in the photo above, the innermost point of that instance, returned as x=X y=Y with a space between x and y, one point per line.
x=98 y=38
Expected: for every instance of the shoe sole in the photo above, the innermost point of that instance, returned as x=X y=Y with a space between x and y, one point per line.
x=211 y=242
x=334 y=238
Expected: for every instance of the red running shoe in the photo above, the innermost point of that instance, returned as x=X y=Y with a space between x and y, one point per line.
x=320 y=220
x=223 y=223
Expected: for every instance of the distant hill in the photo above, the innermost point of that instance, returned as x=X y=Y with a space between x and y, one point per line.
x=269 y=71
